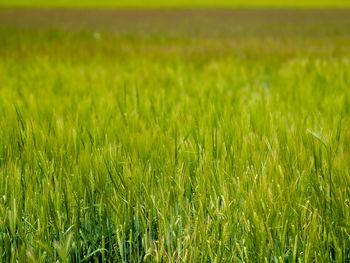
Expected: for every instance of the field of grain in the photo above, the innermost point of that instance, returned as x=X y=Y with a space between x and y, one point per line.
x=175 y=3
x=189 y=135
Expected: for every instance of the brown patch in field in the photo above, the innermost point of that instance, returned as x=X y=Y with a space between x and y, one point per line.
x=184 y=23
x=248 y=34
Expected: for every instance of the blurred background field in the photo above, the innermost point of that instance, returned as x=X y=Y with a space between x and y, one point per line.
x=174 y=135
x=173 y=3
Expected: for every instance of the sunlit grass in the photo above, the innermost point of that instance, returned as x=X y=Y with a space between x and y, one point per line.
x=174 y=149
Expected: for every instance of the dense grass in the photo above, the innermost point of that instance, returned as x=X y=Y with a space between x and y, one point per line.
x=175 y=147
x=175 y=3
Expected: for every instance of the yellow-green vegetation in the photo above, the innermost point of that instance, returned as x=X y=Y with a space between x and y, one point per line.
x=175 y=3
x=219 y=142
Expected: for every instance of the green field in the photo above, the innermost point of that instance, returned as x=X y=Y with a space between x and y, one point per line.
x=175 y=3
x=174 y=136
